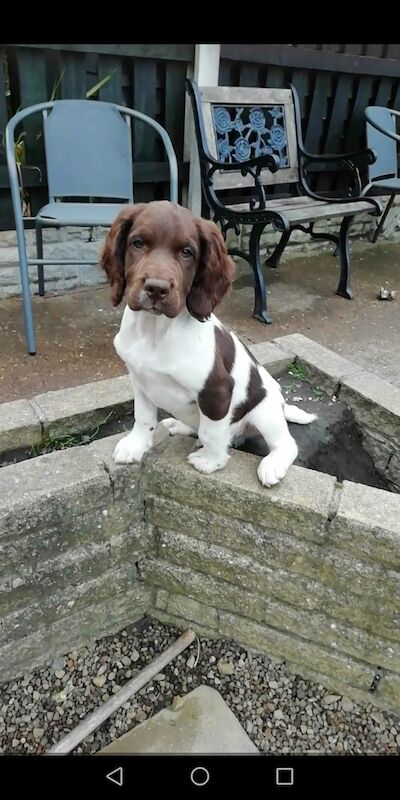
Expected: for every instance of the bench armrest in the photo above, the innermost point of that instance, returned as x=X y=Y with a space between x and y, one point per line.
x=267 y=161
x=352 y=160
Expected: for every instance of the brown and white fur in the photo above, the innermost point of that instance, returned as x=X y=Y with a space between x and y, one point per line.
x=174 y=269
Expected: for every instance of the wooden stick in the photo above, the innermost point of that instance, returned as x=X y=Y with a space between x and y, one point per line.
x=93 y=720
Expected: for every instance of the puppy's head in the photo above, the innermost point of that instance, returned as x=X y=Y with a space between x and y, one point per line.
x=162 y=258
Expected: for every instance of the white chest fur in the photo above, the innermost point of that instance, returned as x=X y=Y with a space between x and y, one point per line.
x=168 y=359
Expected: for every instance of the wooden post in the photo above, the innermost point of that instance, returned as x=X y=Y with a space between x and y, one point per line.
x=206 y=73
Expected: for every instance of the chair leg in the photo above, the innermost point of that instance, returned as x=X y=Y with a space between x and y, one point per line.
x=273 y=260
x=26 y=293
x=383 y=218
x=260 y=291
x=39 y=254
x=344 y=289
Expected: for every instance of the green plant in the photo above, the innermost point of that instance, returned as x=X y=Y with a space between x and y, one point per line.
x=49 y=443
x=298 y=370
x=56 y=86
x=99 y=85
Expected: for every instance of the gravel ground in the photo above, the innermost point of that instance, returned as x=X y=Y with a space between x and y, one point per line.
x=280 y=712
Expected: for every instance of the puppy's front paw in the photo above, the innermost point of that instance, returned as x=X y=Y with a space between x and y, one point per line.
x=274 y=467
x=207 y=462
x=130 y=449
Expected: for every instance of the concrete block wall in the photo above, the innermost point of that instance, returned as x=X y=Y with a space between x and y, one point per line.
x=308 y=571
x=71 y=534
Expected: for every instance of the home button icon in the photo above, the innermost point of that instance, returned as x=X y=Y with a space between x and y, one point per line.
x=200 y=776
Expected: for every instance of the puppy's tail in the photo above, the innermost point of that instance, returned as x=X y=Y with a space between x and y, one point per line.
x=296 y=414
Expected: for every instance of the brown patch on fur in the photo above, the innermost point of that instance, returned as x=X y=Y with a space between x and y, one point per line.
x=255 y=394
x=112 y=259
x=216 y=395
x=225 y=346
x=214 y=273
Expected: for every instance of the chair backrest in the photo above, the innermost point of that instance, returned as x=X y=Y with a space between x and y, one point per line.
x=239 y=123
x=88 y=150
x=384 y=147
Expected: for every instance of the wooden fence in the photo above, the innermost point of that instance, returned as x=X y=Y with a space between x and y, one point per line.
x=149 y=78
x=335 y=83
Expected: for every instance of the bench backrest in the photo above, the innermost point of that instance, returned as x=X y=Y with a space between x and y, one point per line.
x=239 y=123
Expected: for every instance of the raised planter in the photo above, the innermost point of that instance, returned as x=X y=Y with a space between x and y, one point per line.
x=308 y=571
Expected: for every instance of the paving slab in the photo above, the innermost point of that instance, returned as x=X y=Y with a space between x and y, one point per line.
x=200 y=722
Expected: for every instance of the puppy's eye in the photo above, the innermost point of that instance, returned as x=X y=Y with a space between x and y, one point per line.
x=138 y=243
x=187 y=252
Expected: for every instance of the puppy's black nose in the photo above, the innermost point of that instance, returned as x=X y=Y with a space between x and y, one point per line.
x=156 y=289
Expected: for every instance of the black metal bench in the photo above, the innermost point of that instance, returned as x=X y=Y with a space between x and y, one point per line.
x=249 y=140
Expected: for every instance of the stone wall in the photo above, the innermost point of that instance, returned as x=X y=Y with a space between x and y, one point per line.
x=64 y=243
x=73 y=243
x=71 y=534
x=308 y=571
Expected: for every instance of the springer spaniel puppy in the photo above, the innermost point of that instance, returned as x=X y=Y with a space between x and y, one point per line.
x=174 y=269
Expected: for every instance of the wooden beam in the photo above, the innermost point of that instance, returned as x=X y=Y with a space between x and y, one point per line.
x=301 y=58
x=171 y=52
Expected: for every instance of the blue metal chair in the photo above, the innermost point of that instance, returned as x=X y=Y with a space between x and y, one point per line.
x=88 y=151
x=383 y=173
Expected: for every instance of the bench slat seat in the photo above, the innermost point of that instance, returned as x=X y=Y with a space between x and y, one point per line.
x=305 y=209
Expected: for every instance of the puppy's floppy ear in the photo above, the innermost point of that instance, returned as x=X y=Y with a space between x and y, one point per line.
x=214 y=274
x=112 y=258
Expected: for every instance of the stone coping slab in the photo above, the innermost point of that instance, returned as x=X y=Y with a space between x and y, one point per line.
x=81 y=408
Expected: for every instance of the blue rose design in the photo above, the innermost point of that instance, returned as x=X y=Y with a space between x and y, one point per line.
x=277 y=136
x=266 y=151
x=223 y=149
x=276 y=112
x=242 y=149
x=238 y=123
x=257 y=119
x=223 y=122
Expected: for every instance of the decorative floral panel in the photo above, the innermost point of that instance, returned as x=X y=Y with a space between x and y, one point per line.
x=249 y=132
